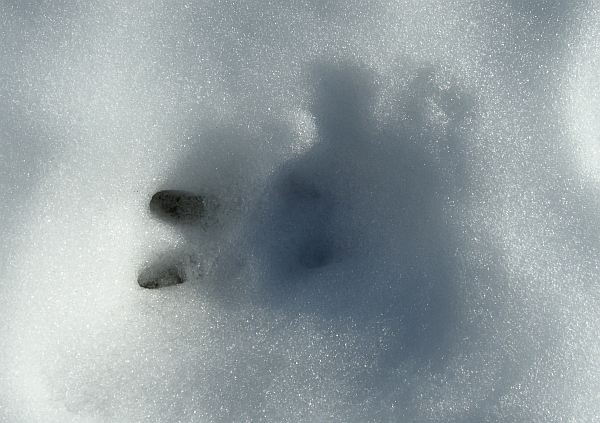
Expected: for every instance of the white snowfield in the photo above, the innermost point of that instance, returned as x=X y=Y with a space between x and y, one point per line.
x=300 y=211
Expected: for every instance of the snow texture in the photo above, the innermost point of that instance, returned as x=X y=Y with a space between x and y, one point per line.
x=345 y=211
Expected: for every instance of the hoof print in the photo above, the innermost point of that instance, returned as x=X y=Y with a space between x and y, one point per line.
x=161 y=276
x=178 y=206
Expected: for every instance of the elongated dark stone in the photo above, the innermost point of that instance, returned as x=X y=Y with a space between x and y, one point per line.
x=177 y=206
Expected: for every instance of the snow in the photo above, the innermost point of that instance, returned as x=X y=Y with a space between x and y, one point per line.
x=390 y=211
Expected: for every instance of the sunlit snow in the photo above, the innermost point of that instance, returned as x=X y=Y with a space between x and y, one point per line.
x=300 y=211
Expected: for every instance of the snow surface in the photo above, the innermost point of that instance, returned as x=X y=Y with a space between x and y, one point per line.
x=405 y=225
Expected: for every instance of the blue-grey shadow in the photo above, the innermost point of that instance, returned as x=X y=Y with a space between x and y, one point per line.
x=323 y=211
